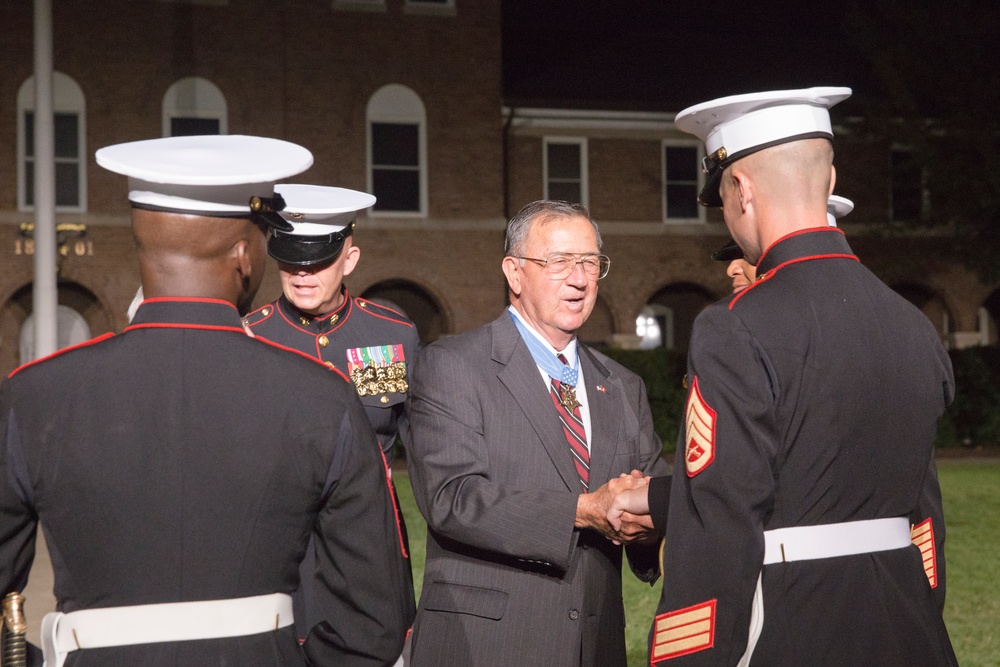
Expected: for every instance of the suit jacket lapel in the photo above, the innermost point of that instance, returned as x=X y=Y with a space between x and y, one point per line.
x=522 y=378
x=605 y=415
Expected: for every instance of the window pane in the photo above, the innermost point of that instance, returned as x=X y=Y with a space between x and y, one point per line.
x=564 y=161
x=395 y=144
x=566 y=191
x=396 y=189
x=682 y=163
x=67 y=184
x=29 y=134
x=682 y=200
x=189 y=127
x=29 y=182
x=67 y=135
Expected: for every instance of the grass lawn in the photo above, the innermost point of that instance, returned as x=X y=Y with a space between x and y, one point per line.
x=971 y=491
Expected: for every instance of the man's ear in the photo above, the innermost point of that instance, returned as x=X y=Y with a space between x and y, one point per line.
x=241 y=258
x=744 y=188
x=351 y=260
x=512 y=269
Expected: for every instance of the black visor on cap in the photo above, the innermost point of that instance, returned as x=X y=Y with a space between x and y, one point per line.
x=709 y=195
x=307 y=250
x=728 y=252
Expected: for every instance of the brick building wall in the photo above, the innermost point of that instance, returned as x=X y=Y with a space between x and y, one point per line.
x=305 y=70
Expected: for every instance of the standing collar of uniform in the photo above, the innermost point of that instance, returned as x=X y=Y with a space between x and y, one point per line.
x=813 y=243
x=318 y=323
x=569 y=351
x=184 y=311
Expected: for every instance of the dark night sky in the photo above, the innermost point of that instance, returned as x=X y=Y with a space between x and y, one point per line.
x=662 y=55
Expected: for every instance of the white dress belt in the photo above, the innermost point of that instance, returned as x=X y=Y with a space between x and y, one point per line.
x=168 y=622
x=784 y=545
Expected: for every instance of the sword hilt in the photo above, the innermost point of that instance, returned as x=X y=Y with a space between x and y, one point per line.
x=15 y=649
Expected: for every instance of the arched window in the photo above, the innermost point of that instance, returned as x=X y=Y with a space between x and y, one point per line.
x=194 y=106
x=397 y=151
x=413 y=301
x=68 y=106
x=71 y=329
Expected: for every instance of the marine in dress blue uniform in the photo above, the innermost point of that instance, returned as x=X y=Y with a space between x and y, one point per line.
x=184 y=463
x=373 y=345
x=804 y=524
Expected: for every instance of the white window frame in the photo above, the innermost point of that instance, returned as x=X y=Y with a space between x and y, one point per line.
x=68 y=98
x=395 y=103
x=194 y=97
x=983 y=322
x=581 y=142
x=700 y=182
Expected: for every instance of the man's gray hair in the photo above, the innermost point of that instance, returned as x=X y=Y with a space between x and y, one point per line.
x=543 y=209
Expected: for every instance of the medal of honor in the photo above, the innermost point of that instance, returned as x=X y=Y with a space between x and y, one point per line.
x=567 y=397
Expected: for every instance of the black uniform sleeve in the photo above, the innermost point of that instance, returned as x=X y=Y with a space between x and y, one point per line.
x=659 y=501
x=722 y=490
x=18 y=520
x=363 y=589
x=928 y=518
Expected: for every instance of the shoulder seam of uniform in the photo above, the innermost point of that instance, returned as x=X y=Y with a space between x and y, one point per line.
x=770 y=274
x=387 y=319
x=86 y=343
x=378 y=305
x=316 y=361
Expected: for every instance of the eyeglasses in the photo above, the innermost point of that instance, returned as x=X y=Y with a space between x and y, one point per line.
x=559 y=265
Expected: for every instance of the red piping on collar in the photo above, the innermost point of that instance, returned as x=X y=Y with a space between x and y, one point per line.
x=808 y=230
x=383 y=317
x=86 y=343
x=296 y=325
x=178 y=325
x=767 y=276
x=187 y=299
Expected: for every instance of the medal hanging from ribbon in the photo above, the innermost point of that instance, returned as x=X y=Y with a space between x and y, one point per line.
x=552 y=365
x=567 y=396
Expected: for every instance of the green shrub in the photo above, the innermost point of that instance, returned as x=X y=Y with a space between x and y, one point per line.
x=973 y=418
x=663 y=372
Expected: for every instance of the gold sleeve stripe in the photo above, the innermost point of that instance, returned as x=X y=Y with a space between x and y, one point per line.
x=922 y=535
x=684 y=631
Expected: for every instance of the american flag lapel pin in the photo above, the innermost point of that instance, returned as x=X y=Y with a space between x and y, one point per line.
x=601 y=389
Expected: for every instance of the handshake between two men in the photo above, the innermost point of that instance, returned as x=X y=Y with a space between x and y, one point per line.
x=619 y=510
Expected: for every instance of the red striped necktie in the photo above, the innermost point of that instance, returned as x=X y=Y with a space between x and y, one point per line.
x=576 y=435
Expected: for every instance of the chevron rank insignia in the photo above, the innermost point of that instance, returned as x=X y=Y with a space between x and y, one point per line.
x=923 y=536
x=684 y=631
x=699 y=423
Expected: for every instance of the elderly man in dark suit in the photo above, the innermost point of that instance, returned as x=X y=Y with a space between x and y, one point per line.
x=520 y=436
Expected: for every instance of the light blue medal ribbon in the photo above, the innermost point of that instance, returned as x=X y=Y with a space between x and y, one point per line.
x=544 y=357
